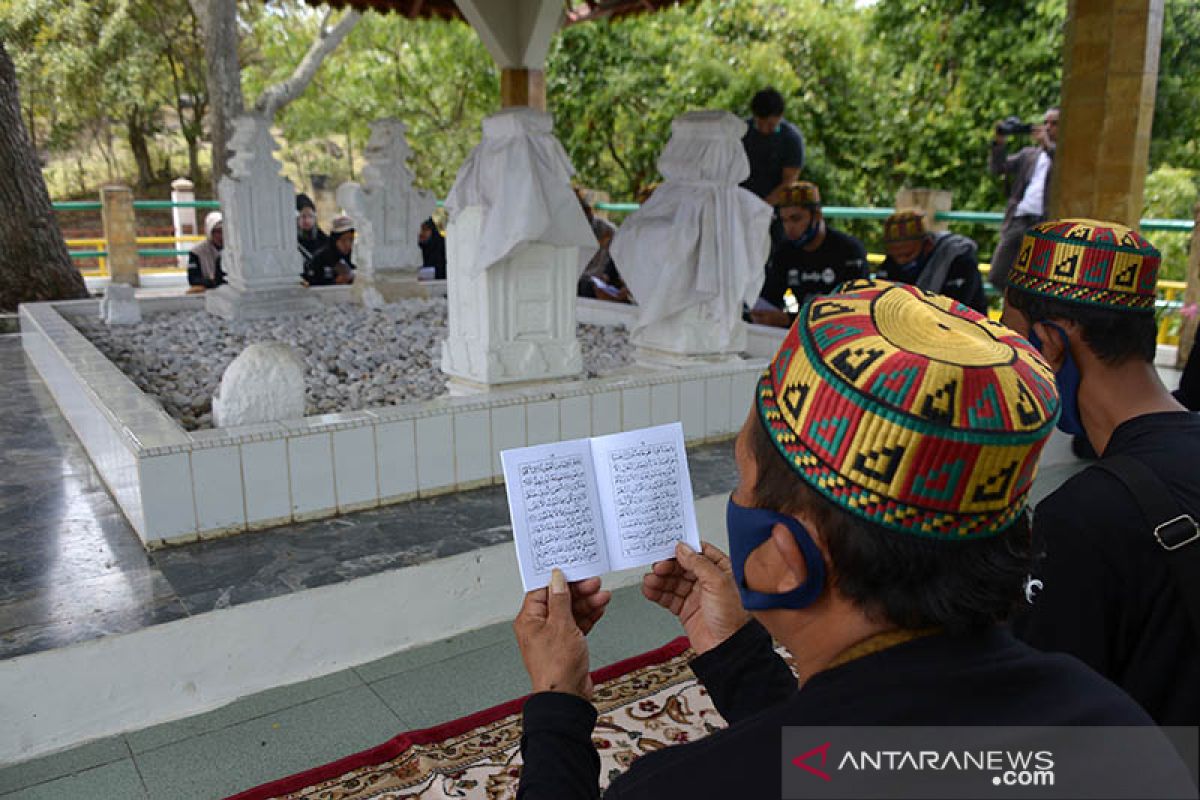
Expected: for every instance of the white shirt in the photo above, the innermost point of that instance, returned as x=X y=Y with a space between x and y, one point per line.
x=1033 y=203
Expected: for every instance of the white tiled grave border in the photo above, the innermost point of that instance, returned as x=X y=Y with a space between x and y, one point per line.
x=176 y=486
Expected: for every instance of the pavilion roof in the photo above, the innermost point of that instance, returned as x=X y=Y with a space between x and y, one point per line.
x=577 y=10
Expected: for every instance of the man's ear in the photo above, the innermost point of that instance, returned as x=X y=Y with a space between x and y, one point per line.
x=1054 y=346
x=794 y=570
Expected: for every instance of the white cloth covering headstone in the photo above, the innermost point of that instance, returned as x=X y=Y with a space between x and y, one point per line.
x=265 y=383
x=695 y=251
x=513 y=242
x=119 y=306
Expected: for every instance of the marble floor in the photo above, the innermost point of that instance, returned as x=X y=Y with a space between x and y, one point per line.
x=72 y=569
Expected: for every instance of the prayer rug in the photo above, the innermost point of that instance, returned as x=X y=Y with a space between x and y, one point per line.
x=646 y=703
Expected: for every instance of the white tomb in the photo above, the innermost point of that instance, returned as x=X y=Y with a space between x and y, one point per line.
x=695 y=251
x=261 y=266
x=119 y=306
x=513 y=244
x=387 y=261
x=265 y=383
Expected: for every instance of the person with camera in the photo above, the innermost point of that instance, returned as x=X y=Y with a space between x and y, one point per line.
x=1027 y=173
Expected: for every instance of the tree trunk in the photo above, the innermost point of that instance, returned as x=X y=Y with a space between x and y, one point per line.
x=34 y=264
x=136 y=131
x=223 y=75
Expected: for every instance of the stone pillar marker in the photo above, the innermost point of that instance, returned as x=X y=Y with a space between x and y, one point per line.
x=694 y=252
x=513 y=245
x=389 y=254
x=184 y=219
x=929 y=202
x=120 y=234
x=260 y=260
x=1110 y=78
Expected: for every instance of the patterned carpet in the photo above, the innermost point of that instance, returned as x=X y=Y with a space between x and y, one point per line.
x=646 y=703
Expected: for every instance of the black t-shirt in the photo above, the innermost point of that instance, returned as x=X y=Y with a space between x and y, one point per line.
x=323 y=268
x=963 y=281
x=982 y=678
x=769 y=154
x=1107 y=594
x=840 y=258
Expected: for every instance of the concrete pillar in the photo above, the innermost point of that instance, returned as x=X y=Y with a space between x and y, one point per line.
x=259 y=207
x=184 y=219
x=1110 y=77
x=1191 y=295
x=929 y=202
x=517 y=34
x=120 y=233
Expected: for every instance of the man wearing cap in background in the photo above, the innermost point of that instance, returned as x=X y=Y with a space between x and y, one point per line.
x=1027 y=176
x=811 y=259
x=204 y=261
x=942 y=263
x=1119 y=585
x=332 y=263
x=878 y=532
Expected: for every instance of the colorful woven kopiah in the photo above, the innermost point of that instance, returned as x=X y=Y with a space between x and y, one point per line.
x=904 y=226
x=1088 y=262
x=910 y=410
x=801 y=193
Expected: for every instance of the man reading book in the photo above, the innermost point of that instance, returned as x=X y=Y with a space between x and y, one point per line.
x=878 y=532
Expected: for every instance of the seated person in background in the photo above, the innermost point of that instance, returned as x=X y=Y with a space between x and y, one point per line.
x=204 y=262
x=433 y=252
x=600 y=279
x=1188 y=392
x=812 y=258
x=331 y=264
x=309 y=238
x=942 y=263
x=877 y=533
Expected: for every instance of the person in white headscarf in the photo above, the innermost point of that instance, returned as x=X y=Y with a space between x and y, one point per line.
x=204 y=262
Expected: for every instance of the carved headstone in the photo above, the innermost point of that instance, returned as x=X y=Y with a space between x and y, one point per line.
x=387 y=203
x=119 y=306
x=259 y=259
x=264 y=383
x=513 y=252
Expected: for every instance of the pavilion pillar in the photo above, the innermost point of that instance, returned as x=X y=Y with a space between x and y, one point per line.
x=523 y=87
x=1110 y=77
x=1191 y=295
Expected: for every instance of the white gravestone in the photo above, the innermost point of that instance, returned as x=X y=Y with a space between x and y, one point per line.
x=119 y=306
x=389 y=261
x=265 y=383
x=695 y=251
x=513 y=245
x=259 y=206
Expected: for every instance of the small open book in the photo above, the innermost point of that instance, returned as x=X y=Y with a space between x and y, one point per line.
x=591 y=506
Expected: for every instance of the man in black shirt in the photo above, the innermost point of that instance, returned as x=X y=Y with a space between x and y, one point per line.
x=331 y=264
x=878 y=532
x=774 y=147
x=812 y=258
x=1106 y=590
x=944 y=263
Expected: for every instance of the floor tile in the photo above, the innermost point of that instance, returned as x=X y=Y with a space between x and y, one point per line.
x=432 y=653
x=446 y=690
x=116 y=781
x=258 y=705
x=230 y=760
x=631 y=626
x=40 y=770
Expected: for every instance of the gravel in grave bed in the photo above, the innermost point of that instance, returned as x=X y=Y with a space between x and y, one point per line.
x=356 y=358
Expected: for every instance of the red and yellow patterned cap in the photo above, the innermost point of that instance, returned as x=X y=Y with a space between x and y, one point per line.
x=1102 y=264
x=910 y=410
x=801 y=193
x=904 y=226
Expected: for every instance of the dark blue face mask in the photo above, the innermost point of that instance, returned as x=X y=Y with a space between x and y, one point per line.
x=748 y=529
x=809 y=234
x=1067 y=380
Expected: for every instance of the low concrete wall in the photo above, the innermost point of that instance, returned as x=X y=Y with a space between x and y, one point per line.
x=176 y=486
